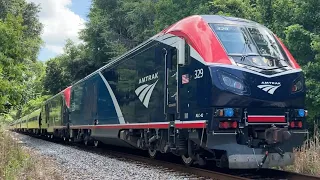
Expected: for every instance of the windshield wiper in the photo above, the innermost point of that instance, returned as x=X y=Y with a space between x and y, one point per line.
x=274 y=57
x=278 y=59
x=246 y=44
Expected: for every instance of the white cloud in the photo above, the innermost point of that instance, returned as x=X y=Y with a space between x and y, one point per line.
x=59 y=22
x=56 y=49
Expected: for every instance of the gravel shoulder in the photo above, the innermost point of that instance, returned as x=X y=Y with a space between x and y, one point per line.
x=71 y=163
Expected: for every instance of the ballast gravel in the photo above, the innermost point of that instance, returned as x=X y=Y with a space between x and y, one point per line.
x=78 y=164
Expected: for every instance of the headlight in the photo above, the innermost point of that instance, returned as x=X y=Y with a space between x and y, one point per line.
x=297 y=85
x=232 y=83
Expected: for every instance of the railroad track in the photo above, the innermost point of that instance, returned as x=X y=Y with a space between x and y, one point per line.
x=171 y=163
x=207 y=172
x=165 y=164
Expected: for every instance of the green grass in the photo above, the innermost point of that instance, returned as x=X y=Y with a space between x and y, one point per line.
x=18 y=163
x=12 y=158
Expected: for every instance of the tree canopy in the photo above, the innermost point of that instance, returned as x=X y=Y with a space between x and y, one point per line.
x=20 y=32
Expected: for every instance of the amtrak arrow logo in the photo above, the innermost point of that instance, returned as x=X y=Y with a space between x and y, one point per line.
x=269 y=87
x=144 y=92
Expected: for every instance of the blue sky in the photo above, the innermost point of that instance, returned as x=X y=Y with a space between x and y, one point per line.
x=62 y=19
x=81 y=7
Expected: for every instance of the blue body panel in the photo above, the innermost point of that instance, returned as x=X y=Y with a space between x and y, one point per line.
x=256 y=97
x=91 y=100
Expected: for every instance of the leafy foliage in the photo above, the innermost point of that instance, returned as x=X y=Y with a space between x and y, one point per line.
x=20 y=42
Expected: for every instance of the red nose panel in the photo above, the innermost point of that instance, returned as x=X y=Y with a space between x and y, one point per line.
x=266 y=119
x=196 y=31
x=291 y=58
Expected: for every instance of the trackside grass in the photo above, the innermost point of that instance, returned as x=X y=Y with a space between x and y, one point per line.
x=18 y=163
x=12 y=158
x=307 y=157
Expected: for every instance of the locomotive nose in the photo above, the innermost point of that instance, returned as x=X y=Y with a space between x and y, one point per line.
x=276 y=135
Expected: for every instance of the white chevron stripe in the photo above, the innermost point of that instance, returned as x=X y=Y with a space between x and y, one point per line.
x=271 y=91
x=144 y=93
x=114 y=100
x=139 y=89
x=147 y=98
x=268 y=88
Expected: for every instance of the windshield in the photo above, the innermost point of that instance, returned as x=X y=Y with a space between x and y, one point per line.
x=253 y=46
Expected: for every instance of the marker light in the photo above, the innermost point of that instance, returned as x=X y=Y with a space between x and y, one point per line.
x=228 y=125
x=228 y=112
x=219 y=112
x=292 y=125
x=301 y=112
x=296 y=124
x=234 y=124
x=224 y=125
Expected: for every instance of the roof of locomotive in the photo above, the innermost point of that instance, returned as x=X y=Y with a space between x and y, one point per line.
x=197 y=32
x=227 y=20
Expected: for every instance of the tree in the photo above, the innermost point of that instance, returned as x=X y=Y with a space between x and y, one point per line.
x=12 y=55
x=54 y=81
x=20 y=31
x=33 y=27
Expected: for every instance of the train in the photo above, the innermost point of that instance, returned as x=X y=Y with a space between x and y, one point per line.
x=208 y=88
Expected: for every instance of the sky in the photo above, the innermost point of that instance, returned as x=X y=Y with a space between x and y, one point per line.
x=61 y=19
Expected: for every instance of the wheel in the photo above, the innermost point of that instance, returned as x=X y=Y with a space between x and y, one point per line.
x=86 y=140
x=152 y=153
x=96 y=143
x=224 y=163
x=187 y=160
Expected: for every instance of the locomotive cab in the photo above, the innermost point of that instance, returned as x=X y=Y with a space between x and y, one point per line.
x=257 y=100
x=240 y=87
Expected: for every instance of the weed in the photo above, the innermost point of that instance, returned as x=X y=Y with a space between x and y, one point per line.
x=17 y=162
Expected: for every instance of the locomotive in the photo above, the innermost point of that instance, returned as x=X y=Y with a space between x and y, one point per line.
x=207 y=88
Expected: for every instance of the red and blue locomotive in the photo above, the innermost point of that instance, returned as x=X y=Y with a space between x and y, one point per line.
x=207 y=88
